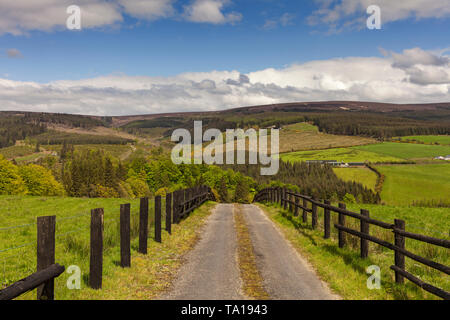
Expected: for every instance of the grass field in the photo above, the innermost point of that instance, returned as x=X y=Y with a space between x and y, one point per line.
x=345 y=271
x=72 y=229
x=339 y=154
x=364 y=176
x=407 y=183
x=115 y=150
x=149 y=274
x=405 y=150
x=17 y=151
x=304 y=136
x=443 y=140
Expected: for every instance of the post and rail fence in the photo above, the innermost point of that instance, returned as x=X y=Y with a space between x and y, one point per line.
x=290 y=201
x=179 y=205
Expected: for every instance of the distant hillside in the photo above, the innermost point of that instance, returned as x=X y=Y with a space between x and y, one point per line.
x=351 y=118
x=326 y=106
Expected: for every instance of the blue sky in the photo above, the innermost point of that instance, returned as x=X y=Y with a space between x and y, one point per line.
x=168 y=38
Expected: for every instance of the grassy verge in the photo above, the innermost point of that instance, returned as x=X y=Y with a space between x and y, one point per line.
x=251 y=277
x=152 y=274
x=345 y=271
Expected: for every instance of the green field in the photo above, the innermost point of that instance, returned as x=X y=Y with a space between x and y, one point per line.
x=16 y=151
x=339 y=154
x=364 y=176
x=72 y=235
x=407 y=183
x=405 y=150
x=443 y=140
x=305 y=136
x=345 y=271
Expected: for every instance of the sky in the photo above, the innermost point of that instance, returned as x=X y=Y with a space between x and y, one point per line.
x=154 y=56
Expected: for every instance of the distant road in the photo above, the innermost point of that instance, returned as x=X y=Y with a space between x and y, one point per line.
x=212 y=273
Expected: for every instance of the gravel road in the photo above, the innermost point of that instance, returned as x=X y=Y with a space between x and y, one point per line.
x=211 y=271
x=287 y=276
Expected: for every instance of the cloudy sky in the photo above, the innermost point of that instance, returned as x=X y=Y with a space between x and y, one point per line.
x=152 y=56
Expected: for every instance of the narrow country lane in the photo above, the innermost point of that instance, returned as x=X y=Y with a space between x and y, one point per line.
x=286 y=275
x=212 y=272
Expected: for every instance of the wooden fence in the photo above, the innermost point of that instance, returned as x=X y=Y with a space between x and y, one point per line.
x=178 y=206
x=293 y=202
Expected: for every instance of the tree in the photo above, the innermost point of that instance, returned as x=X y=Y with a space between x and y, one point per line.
x=11 y=183
x=40 y=181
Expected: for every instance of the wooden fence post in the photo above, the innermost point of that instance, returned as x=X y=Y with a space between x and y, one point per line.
x=158 y=219
x=296 y=207
x=289 y=196
x=327 y=221
x=305 y=213
x=169 y=213
x=46 y=254
x=285 y=198
x=364 y=228
x=125 y=251
x=96 y=260
x=175 y=207
x=341 y=221
x=314 y=214
x=143 y=225
x=399 y=257
x=281 y=198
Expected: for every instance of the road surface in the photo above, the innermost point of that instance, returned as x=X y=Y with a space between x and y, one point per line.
x=212 y=273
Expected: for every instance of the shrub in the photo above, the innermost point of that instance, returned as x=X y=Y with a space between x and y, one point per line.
x=11 y=183
x=349 y=198
x=40 y=181
x=162 y=192
x=139 y=187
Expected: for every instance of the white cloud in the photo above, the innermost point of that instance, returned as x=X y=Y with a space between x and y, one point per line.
x=14 y=53
x=343 y=14
x=421 y=67
x=285 y=20
x=210 y=11
x=146 y=9
x=21 y=16
x=413 y=76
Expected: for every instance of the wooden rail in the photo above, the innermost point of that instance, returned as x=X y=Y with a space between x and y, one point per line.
x=31 y=282
x=178 y=206
x=284 y=198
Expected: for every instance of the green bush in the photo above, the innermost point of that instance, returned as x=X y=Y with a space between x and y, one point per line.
x=11 y=183
x=40 y=181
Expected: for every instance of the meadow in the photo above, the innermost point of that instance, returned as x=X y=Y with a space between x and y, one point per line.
x=115 y=150
x=365 y=176
x=305 y=136
x=18 y=231
x=16 y=151
x=442 y=140
x=406 y=150
x=407 y=183
x=345 y=271
x=339 y=154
